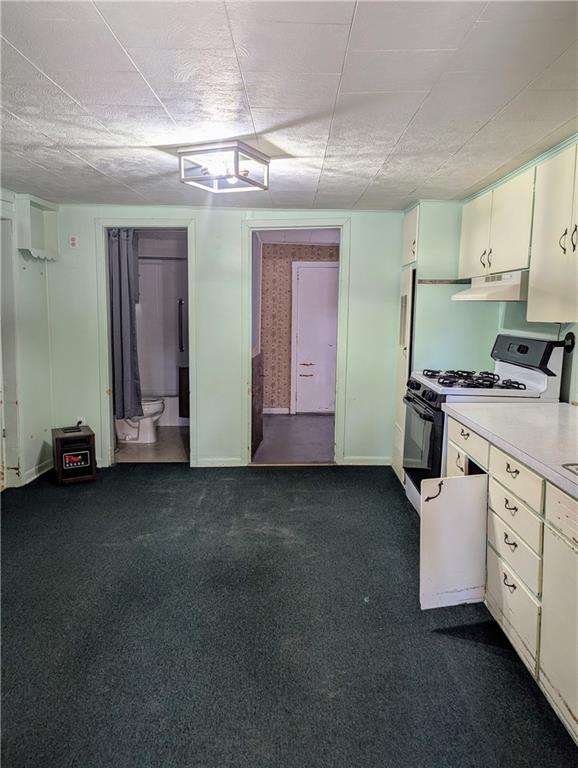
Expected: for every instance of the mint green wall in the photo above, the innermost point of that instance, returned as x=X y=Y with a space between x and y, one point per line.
x=221 y=324
x=26 y=344
x=447 y=334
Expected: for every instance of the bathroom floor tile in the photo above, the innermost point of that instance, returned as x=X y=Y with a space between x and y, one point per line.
x=172 y=446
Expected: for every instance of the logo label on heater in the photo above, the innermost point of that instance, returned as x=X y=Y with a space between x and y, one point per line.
x=76 y=459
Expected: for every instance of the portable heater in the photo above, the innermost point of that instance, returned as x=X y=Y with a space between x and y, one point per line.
x=74 y=457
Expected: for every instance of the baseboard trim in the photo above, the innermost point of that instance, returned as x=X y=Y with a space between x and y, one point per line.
x=370 y=461
x=34 y=472
x=275 y=411
x=219 y=463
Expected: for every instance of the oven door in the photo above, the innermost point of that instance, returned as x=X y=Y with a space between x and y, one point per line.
x=422 y=448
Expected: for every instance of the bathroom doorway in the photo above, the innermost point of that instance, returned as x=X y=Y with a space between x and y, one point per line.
x=148 y=284
x=295 y=289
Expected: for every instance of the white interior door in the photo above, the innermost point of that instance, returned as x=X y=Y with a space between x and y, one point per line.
x=403 y=365
x=314 y=336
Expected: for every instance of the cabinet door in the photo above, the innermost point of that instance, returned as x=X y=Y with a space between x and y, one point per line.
x=475 y=236
x=409 y=244
x=403 y=365
x=453 y=541
x=552 y=283
x=511 y=224
x=559 y=636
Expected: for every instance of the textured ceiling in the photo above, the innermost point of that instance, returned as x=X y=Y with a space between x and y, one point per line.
x=366 y=105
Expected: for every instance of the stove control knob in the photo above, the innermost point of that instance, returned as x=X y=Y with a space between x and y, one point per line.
x=430 y=395
x=415 y=385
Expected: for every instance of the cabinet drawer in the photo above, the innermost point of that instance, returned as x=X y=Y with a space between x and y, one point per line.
x=456 y=461
x=512 y=604
x=516 y=514
x=527 y=485
x=466 y=440
x=562 y=512
x=526 y=563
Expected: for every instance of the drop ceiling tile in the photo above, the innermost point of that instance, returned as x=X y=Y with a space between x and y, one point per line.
x=516 y=12
x=412 y=25
x=519 y=50
x=310 y=12
x=292 y=134
x=562 y=74
x=290 y=48
x=94 y=87
x=284 y=91
x=190 y=69
x=56 y=44
x=187 y=25
x=549 y=107
x=373 y=122
x=393 y=70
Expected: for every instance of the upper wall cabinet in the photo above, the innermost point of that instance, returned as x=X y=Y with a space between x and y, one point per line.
x=553 y=286
x=409 y=243
x=496 y=228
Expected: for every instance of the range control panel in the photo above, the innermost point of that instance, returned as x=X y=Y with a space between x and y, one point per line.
x=76 y=459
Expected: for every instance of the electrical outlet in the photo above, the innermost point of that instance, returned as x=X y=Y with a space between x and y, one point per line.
x=73 y=241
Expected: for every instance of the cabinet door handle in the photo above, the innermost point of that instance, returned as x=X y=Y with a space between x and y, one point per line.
x=413 y=247
x=440 y=486
x=510 y=507
x=464 y=434
x=511 y=587
x=513 y=472
x=574 y=238
x=482 y=259
x=563 y=237
x=512 y=544
x=490 y=257
x=458 y=465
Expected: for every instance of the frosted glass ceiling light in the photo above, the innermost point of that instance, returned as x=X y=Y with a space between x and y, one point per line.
x=228 y=166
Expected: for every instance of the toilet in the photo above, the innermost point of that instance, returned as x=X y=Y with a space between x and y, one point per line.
x=141 y=429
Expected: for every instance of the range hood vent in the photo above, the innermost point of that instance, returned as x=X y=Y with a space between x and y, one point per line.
x=508 y=286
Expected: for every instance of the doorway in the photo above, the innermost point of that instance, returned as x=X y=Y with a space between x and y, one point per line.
x=156 y=373
x=295 y=284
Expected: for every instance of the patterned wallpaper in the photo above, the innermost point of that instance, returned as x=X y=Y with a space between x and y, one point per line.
x=276 y=314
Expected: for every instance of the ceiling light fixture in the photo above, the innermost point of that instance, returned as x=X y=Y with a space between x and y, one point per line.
x=228 y=166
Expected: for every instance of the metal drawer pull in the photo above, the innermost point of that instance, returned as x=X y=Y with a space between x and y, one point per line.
x=563 y=237
x=510 y=471
x=510 y=507
x=431 y=498
x=482 y=258
x=490 y=257
x=413 y=247
x=512 y=544
x=573 y=238
x=458 y=465
x=511 y=587
x=464 y=434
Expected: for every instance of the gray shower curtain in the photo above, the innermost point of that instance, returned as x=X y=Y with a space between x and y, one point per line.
x=123 y=277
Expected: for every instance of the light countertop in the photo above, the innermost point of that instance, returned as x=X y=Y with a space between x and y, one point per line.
x=541 y=435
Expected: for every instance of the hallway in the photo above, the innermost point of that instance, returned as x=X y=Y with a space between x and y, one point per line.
x=302 y=438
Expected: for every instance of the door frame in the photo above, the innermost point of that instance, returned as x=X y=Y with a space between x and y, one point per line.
x=104 y=341
x=343 y=223
x=295 y=267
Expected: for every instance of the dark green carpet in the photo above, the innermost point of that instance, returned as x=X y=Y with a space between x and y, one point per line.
x=247 y=618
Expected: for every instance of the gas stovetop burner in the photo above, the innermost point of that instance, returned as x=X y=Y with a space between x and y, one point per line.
x=511 y=384
x=478 y=382
x=489 y=375
x=448 y=379
x=459 y=374
x=431 y=374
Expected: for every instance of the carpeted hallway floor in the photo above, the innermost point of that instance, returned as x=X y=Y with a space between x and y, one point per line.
x=247 y=618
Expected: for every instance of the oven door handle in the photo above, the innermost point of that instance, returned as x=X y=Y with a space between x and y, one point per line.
x=421 y=413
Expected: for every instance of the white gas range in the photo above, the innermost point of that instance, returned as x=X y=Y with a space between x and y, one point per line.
x=525 y=368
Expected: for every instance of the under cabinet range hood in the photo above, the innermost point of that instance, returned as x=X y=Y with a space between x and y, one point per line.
x=508 y=286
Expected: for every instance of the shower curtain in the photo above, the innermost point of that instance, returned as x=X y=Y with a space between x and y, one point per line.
x=123 y=276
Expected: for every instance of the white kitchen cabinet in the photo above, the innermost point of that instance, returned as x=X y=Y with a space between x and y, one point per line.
x=453 y=540
x=511 y=224
x=409 y=238
x=475 y=236
x=553 y=279
x=403 y=365
x=558 y=667
x=496 y=228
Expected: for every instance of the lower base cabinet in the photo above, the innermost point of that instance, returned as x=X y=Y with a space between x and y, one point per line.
x=558 y=667
x=479 y=542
